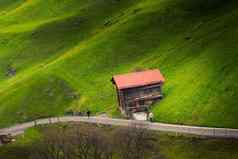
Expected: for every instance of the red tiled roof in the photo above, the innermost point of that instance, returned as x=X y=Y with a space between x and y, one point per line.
x=137 y=79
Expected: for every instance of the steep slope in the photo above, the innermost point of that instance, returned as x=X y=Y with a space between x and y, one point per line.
x=7 y=5
x=64 y=58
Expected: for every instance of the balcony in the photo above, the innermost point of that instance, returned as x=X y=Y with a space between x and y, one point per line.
x=145 y=97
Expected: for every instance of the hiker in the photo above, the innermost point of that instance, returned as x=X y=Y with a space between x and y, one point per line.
x=151 y=116
x=147 y=113
x=88 y=113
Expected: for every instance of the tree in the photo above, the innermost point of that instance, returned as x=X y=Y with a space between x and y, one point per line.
x=92 y=144
x=133 y=142
x=55 y=144
x=73 y=143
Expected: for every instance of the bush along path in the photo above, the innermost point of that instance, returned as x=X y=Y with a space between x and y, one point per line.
x=181 y=129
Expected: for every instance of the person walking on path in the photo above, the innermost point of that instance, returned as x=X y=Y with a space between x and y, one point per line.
x=147 y=114
x=151 y=116
x=88 y=113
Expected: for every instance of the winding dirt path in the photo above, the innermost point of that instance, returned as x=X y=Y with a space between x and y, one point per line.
x=193 y=130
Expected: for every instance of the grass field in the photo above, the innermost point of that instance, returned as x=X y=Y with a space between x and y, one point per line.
x=57 y=56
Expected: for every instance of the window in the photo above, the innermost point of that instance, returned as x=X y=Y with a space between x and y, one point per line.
x=142 y=102
x=157 y=89
x=148 y=91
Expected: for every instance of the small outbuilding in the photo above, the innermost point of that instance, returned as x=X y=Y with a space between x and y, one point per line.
x=137 y=91
x=5 y=138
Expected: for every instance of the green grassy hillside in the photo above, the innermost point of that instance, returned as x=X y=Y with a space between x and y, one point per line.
x=60 y=55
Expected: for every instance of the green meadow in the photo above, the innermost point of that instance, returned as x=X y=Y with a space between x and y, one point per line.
x=60 y=55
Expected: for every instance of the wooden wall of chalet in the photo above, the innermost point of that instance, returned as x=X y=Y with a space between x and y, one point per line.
x=140 y=97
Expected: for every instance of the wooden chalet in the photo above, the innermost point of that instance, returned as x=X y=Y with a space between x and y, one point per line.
x=137 y=91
